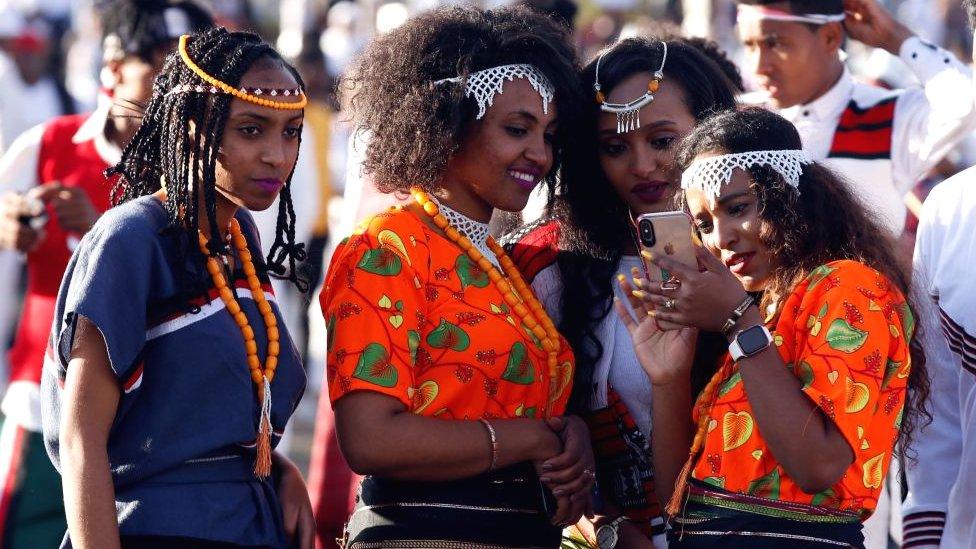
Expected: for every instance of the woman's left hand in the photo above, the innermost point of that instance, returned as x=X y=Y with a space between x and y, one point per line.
x=296 y=509
x=571 y=473
x=703 y=299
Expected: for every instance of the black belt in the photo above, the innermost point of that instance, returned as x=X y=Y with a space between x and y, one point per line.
x=506 y=508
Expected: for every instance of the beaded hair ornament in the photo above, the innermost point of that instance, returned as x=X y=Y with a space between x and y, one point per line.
x=251 y=95
x=484 y=85
x=710 y=174
x=764 y=13
x=628 y=114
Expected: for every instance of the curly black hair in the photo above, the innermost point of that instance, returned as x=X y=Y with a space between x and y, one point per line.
x=170 y=145
x=823 y=222
x=414 y=125
x=594 y=220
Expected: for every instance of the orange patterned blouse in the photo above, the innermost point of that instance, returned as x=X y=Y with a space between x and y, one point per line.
x=844 y=331
x=409 y=315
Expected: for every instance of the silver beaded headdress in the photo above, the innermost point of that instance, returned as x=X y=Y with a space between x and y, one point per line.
x=710 y=174
x=628 y=114
x=484 y=85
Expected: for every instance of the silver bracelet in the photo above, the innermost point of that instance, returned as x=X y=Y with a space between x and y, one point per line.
x=494 y=444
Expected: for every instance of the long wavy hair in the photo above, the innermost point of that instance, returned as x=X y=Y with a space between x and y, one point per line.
x=594 y=220
x=824 y=222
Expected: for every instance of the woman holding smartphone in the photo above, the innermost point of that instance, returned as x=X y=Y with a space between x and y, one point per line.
x=791 y=438
x=622 y=163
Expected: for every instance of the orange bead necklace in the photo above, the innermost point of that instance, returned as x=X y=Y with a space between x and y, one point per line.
x=522 y=300
x=261 y=377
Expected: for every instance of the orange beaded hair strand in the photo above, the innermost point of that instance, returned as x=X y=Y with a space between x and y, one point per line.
x=704 y=407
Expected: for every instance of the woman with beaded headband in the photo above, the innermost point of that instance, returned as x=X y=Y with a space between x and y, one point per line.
x=791 y=438
x=171 y=376
x=571 y=258
x=447 y=378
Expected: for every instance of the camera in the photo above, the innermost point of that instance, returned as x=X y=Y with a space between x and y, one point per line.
x=645 y=231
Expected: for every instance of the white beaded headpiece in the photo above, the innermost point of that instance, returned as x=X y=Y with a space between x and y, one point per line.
x=710 y=174
x=485 y=84
x=628 y=114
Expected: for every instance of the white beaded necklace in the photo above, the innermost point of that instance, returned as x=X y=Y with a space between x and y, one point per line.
x=476 y=231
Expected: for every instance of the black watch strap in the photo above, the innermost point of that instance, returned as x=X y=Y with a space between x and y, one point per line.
x=736 y=315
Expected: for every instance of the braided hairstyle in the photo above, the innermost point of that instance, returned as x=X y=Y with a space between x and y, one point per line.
x=179 y=140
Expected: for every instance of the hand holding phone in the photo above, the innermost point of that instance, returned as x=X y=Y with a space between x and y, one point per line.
x=667 y=234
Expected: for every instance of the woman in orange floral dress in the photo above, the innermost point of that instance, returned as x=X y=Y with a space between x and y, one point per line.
x=791 y=439
x=447 y=378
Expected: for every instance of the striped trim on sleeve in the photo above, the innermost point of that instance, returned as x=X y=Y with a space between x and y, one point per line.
x=923 y=529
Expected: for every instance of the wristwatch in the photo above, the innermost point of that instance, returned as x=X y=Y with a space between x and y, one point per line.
x=749 y=342
x=608 y=535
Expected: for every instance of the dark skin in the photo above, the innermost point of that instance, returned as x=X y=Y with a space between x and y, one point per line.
x=378 y=435
x=259 y=143
x=636 y=160
x=132 y=78
x=817 y=458
x=797 y=63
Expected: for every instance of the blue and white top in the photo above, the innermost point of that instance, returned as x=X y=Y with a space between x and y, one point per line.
x=181 y=448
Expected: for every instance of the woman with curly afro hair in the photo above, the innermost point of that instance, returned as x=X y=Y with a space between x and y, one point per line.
x=447 y=378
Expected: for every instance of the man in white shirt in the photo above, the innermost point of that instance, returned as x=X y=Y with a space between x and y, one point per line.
x=882 y=141
x=941 y=502
x=940 y=510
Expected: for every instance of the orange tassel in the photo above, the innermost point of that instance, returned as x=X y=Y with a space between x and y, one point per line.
x=262 y=463
x=680 y=486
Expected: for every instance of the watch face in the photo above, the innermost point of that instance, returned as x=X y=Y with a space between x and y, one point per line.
x=606 y=537
x=752 y=340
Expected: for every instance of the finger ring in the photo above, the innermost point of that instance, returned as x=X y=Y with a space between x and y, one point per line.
x=669 y=303
x=671 y=283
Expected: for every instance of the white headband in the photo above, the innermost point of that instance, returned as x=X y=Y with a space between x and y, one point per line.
x=485 y=84
x=710 y=174
x=747 y=11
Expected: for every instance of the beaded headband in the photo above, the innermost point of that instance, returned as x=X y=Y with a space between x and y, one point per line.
x=710 y=174
x=628 y=114
x=487 y=83
x=764 y=13
x=251 y=95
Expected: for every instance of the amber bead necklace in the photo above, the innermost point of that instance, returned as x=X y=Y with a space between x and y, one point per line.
x=515 y=291
x=261 y=377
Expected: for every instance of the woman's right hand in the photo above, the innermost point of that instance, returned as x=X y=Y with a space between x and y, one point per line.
x=665 y=354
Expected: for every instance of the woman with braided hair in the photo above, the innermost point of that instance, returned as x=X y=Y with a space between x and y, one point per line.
x=791 y=438
x=170 y=375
